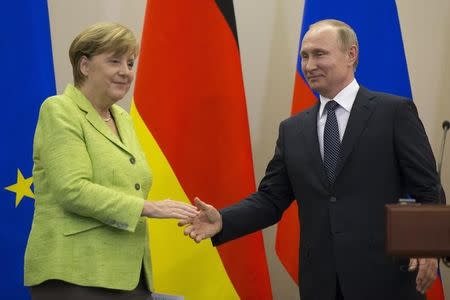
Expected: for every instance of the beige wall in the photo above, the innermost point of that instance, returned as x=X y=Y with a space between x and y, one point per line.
x=268 y=34
x=426 y=36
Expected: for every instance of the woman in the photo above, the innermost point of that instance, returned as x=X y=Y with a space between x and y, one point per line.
x=89 y=235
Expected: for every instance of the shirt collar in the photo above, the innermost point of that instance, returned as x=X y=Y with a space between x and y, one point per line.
x=345 y=98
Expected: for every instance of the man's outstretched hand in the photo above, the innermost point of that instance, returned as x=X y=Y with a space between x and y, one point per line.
x=205 y=225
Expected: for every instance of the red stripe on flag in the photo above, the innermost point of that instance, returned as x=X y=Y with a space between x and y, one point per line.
x=287 y=242
x=304 y=98
x=436 y=292
x=190 y=94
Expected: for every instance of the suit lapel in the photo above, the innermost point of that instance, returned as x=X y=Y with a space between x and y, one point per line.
x=360 y=114
x=96 y=121
x=100 y=125
x=122 y=126
x=309 y=131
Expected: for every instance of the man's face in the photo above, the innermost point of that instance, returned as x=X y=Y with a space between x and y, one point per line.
x=327 y=68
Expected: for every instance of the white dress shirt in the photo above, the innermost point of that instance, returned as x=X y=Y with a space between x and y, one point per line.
x=345 y=99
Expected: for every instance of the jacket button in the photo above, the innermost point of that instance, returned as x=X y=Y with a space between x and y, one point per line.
x=132 y=160
x=333 y=199
x=137 y=186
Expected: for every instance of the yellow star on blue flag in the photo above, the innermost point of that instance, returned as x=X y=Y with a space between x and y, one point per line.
x=22 y=187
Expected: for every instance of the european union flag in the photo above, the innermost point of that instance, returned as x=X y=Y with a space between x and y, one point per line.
x=27 y=78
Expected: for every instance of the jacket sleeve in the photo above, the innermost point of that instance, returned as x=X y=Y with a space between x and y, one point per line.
x=61 y=151
x=264 y=207
x=415 y=156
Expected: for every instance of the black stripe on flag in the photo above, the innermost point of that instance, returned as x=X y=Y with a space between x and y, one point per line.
x=227 y=9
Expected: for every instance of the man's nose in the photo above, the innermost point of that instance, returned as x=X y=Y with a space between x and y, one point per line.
x=309 y=64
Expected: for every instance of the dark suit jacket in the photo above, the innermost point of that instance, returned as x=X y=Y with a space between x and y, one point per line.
x=385 y=154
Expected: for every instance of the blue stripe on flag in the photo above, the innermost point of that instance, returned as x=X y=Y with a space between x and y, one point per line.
x=382 y=63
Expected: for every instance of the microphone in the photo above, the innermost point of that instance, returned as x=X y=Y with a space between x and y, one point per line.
x=445 y=127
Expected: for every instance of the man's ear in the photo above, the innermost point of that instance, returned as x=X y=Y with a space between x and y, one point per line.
x=84 y=65
x=353 y=54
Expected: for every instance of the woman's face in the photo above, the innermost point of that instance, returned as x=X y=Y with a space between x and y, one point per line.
x=108 y=76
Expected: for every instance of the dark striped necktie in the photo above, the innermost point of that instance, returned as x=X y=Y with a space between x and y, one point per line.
x=331 y=141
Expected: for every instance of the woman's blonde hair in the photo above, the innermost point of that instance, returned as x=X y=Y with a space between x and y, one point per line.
x=100 y=38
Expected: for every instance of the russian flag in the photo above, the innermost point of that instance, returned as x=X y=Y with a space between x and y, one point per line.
x=382 y=67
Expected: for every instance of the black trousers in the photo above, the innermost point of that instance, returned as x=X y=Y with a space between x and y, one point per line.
x=58 y=290
x=339 y=295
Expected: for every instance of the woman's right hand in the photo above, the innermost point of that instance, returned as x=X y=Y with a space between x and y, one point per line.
x=169 y=209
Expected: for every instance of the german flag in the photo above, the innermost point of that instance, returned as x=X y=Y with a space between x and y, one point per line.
x=190 y=115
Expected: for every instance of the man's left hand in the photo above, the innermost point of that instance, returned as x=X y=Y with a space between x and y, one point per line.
x=427 y=272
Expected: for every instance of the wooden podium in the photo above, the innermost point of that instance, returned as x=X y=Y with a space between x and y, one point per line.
x=418 y=230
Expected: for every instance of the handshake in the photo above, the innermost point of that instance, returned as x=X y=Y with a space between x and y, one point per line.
x=201 y=221
x=207 y=223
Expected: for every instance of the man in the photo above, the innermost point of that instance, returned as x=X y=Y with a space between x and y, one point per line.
x=343 y=159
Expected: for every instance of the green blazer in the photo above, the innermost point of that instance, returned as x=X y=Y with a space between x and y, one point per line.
x=90 y=188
